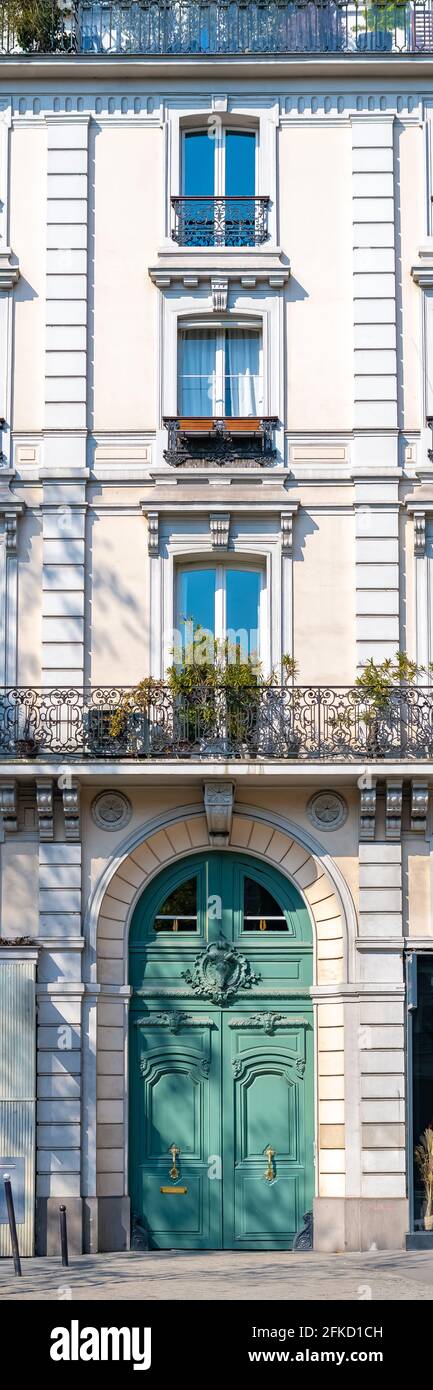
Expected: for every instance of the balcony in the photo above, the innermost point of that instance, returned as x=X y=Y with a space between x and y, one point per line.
x=215 y=27
x=199 y=441
x=220 y=221
x=295 y=724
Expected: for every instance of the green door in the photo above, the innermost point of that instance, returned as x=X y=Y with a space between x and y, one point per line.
x=221 y=1057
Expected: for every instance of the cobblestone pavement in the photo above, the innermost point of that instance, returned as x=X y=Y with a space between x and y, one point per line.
x=171 y=1274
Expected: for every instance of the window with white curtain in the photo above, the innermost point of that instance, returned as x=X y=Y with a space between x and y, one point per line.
x=220 y=371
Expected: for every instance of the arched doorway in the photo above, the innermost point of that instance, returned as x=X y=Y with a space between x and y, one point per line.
x=221 y=1056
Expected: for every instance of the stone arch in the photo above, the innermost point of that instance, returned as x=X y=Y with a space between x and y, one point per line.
x=252 y=834
x=295 y=853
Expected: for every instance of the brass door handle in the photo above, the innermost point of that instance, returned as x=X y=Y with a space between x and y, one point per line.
x=174 y=1171
x=270 y=1170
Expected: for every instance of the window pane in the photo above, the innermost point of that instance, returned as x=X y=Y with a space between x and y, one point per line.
x=179 y=911
x=240 y=163
x=242 y=611
x=243 y=390
x=198 y=173
x=196 y=604
x=261 y=911
x=197 y=361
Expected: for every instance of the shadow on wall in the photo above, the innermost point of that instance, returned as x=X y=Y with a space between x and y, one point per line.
x=110 y=608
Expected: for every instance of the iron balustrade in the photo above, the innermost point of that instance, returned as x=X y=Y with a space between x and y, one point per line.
x=196 y=442
x=220 y=221
x=213 y=27
x=300 y=723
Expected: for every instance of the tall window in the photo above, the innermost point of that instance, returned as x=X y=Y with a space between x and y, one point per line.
x=225 y=602
x=218 y=187
x=220 y=372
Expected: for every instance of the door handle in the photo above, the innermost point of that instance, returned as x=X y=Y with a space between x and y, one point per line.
x=270 y=1170
x=174 y=1171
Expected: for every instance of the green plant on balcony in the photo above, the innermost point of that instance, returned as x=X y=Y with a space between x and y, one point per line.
x=378 y=684
x=37 y=24
x=136 y=700
x=386 y=14
x=216 y=692
x=424 y=1162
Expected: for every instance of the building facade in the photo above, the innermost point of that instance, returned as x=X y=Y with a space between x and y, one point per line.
x=216 y=331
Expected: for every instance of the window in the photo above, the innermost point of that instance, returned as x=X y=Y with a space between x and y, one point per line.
x=261 y=911
x=220 y=372
x=224 y=602
x=179 y=911
x=218 y=205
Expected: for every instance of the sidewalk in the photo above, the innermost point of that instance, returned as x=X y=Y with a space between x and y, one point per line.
x=171 y=1274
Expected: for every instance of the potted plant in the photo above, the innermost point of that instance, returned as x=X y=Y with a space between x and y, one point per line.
x=26 y=745
x=380 y=686
x=424 y=1161
x=131 y=724
x=38 y=27
x=382 y=19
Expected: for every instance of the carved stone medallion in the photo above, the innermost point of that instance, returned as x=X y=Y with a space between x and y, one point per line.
x=327 y=810
x=111 y=810
x=220 y=972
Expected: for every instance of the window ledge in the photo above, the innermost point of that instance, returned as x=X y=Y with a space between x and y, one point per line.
x=197 y=265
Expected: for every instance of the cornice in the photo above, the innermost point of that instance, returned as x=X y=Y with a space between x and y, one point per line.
x=75 y=67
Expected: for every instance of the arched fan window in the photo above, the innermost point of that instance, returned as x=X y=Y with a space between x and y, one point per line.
x=178 y=912
x=261 y=911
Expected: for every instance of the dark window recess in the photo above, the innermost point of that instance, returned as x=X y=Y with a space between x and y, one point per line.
x=261 y=912
x=422 y=1043
x=179 y=911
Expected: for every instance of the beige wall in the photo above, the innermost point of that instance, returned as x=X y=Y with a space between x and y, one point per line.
x=117 y=613
x=324 y=598
x=28 y=193
x=410 y=156
x=29 y=597
x=316 y=233
x=128 y=179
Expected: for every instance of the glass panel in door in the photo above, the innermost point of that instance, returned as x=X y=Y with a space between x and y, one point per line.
x=240 y=180
x=198 y=188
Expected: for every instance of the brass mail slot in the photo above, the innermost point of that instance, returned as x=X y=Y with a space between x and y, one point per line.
x=180 y=1190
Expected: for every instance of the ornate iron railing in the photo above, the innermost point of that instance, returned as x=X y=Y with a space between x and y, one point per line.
x=166 y=27
x=305 y=724
x=199 y=442
x=220 y=221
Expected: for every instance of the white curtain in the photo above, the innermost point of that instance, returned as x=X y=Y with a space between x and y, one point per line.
x=242 y=385
x=197 y=372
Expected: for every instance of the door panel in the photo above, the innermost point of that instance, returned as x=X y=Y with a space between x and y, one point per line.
x=176 y=1080
x=269 y=1108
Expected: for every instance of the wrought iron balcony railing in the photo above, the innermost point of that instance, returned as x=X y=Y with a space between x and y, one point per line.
x=220 y=221
x=198 y=440
x=170 y=27
x=304 y=724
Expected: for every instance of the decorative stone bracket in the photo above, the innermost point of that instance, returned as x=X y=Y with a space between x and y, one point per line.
x=218 y=805
x=367 y=812
x=8 y=803
x=45 y=808
x=394 y=804
x=9 y=273
x=219 y=525
x=71 y=809
x=419 y=806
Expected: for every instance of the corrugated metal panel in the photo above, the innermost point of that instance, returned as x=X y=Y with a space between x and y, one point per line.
x=18 y=1085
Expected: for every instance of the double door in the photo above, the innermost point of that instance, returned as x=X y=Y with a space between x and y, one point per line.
x=221 y=1057
x=223 y=1139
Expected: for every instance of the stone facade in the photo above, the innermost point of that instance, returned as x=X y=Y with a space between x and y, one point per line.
x=95 y=524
